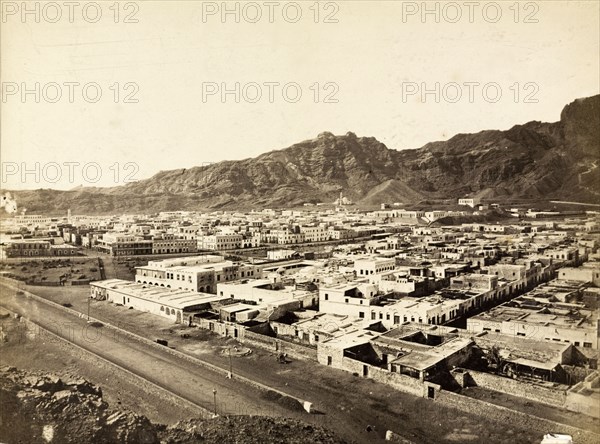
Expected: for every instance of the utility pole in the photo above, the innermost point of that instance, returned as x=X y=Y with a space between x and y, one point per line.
x=89 y=297
x=215 y=399
x=230 y=374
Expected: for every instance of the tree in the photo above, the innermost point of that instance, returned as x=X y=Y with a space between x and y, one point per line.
x=494 y=359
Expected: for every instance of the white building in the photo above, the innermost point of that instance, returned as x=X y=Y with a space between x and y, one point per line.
x=589 y=272
x=176 y=305
x=373 y=265
x=166 y=243
x=267 y=291
x=196 y=273
x=220 y=242
x=468 y=201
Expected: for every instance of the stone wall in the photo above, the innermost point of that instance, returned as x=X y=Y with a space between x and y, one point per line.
x=220 y=328
x=325 y=351
x=508 y=416
x=399 y=382
x=276 y=345
x=584 y=397
x=576 y=402
x=284 y=329
x=555 y=397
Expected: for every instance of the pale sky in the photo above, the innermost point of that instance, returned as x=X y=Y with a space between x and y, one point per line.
x=376 y=51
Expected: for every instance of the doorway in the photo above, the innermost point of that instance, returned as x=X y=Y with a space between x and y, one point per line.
x=431 y=392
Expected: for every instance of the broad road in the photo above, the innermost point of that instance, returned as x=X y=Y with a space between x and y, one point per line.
x=179 y=376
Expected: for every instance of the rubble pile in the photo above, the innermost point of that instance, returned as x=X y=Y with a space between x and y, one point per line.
x=36 y=407
x=46 y=408
x=248 y=430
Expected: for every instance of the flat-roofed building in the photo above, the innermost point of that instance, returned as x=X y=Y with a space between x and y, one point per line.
x=239 y=312
x=422 y=352
x=220 y=242
x=124 y=244
x=267 y=291
x=166 y=243
x=527 y=357
x=468 y=201
x=196 y=273
x=564 y=255
x=527 y=316
x=348 y=299
x=316 y=328
x=176 y=305
x=473 y=281
x=35 y=247
x=367 y=301
x=315 y=234
x=275 y=255
x=373 y=265
x=412 y=350
x=588 y=272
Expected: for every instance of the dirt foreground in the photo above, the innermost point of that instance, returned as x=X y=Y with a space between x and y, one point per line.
x=40 y=407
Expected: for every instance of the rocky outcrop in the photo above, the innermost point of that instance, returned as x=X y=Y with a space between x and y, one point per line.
x=46 y=408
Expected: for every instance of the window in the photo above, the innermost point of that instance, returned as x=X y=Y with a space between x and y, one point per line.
x=361 y=314
x=346 y=300
x=326 y=297
x=587 y=344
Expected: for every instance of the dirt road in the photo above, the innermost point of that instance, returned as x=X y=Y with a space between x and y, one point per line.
x=179 y=376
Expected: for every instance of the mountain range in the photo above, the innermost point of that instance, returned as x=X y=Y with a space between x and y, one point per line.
x=534 y=161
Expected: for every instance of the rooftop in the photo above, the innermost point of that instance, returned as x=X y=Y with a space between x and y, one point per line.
x=559 y=315
x=179 y=299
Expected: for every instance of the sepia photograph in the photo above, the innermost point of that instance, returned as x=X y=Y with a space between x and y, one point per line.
x=300 y=222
